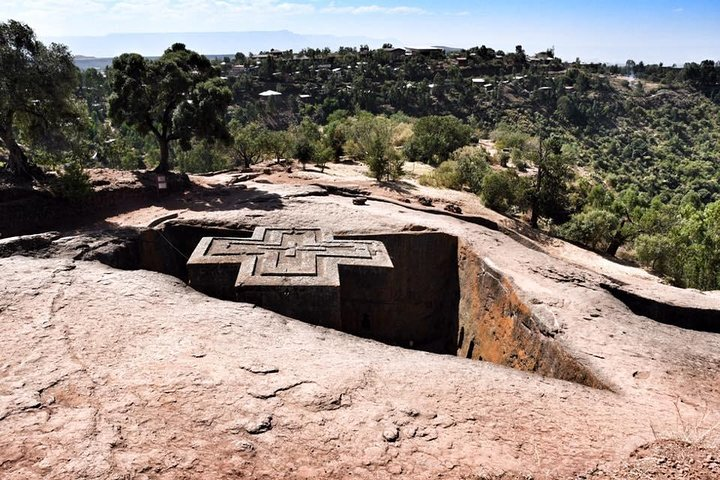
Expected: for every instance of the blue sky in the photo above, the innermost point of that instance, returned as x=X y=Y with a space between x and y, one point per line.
x=612 y=31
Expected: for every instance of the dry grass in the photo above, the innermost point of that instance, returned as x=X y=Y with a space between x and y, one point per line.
x=702 y=429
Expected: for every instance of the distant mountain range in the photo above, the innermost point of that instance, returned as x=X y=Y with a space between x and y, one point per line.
x=208 y=43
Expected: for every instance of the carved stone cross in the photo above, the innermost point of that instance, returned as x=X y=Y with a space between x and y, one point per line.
x=291 y=271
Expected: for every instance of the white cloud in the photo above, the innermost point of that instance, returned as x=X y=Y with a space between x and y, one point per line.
x=366 y=9
x=463 y=13
x=97 y=17
x=100 y=17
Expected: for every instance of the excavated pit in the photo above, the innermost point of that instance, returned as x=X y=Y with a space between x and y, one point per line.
x=440 y=297
x=683 y=316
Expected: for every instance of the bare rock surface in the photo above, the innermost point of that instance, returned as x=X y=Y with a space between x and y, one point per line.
x=108 y=373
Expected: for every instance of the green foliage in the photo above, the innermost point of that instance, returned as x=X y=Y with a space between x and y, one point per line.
x=307 y=141
x=568 y=110
x=436 y=137
x=507 y=137
x=279 y=143
x=594 y=228
x=688 y=251
x=446 y=175
x=467 y=167
x=304 y=151
x=370 y=141
x=504 y=190
x=66 y=142
x=36 y=93
x=73 y=184
x=549 y=196
x=323 y=154
x=204 y=157
x=176 y=98
x=335 y=136
x=250 y=142
x=473 y=164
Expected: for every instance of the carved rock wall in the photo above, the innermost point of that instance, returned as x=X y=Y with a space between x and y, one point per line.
x=495 y=325
x=415 y=304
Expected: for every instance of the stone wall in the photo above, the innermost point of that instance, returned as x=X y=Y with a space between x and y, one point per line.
x=495 y=325
x=415 y=304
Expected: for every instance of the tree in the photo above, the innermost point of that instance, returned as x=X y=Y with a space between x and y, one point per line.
x=203 y=157
x=323 y=154
x=36 y=85
x=504 y=190
x=436 y=137
x=250 y=142
x=473 y=165
x=279 y=143
x=176 y=98
x=307 y=141
x=335 y=136
x=549 y=193
x=370 y=141
x=593 y=227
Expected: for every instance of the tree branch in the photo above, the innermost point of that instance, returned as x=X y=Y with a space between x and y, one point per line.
x=153 y=129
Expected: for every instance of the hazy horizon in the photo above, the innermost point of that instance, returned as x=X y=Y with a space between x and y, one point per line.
x=671 y=32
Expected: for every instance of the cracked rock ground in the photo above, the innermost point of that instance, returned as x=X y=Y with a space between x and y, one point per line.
x=109 y=373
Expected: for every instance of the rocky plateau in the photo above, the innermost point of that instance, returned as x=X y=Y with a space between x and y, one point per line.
x=556 y=362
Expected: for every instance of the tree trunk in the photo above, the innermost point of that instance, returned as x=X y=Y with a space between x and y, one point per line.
x=535 y=206
x=164 y=165
x=18 y=164
x=535 y=211
x=617 y=240
x=534 y=216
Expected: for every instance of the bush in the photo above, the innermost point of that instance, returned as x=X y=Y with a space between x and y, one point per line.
x=323 y=154
x=370 y=141
x=472 y=166
x=203 y=157
x=335 y=136
x=307 y=141
x=446 y=175
x=73 y=183
x=594 y=228
x=402 y=133
x=504 y=190
x=506 y=138
x=304 y=151
x=659 y=252
x=435 y=138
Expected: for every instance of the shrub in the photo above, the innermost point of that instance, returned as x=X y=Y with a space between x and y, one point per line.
x=323 y=154
x=435 y=138
x=472 y=166
x=446 y=175
x=402 y=133
x=370 y=141
x=73 y=183
x=504 y=190
x=594 y=228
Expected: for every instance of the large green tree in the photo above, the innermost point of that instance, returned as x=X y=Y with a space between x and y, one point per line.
x=176 y=98
x=36 y=90
x=436 y=137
